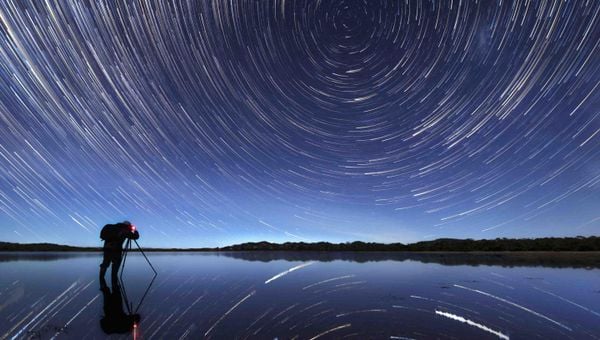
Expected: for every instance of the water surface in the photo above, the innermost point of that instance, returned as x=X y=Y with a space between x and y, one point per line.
x=297 y=295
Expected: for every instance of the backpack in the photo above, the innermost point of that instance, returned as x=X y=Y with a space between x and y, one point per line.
x=110 y=232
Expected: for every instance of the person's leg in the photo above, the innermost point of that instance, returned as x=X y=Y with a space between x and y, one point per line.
x=104 y=265
x=116 y=263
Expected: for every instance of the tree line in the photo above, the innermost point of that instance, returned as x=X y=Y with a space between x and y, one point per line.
x=578 y=243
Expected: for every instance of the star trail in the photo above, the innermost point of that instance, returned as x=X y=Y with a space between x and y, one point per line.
x=210 y=123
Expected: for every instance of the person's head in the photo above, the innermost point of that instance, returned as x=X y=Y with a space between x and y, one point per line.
x=130 y=227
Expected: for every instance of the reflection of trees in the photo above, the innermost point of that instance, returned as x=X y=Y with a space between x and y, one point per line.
x=506 y=259
x=549 y=251
x=43 y=256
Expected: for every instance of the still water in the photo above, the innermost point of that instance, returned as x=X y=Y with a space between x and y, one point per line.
x=296 y=296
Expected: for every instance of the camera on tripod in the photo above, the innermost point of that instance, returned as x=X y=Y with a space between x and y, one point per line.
x=132 y=233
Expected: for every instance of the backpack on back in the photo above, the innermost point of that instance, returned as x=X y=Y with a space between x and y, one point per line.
x=110 y=232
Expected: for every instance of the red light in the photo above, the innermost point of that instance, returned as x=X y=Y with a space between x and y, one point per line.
x=132 y=228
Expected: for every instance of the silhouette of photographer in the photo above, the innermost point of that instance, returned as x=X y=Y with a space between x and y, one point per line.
x=114 y=235
x=115 y=320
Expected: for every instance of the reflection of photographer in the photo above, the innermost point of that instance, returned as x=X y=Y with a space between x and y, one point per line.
x=115 y=320
x=114 y=235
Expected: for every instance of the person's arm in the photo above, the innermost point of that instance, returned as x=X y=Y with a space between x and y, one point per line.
x=123 y=231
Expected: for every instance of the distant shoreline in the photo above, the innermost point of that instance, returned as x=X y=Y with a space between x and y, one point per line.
x=549 y=245
x=554 y=259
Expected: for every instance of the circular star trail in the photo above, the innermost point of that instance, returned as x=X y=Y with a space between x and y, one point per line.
x=209 y=123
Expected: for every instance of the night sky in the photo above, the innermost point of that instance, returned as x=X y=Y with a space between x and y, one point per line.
x=212 y=123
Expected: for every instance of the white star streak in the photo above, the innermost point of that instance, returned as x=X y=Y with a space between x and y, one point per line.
x=300 y=266
x=515 y=305
x=472 y=323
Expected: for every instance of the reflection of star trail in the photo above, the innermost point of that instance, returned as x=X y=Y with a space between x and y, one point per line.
x=472 y=323
x=514 y=305
x=63 y=299
x=214 y=122
x=300 y=266
x=569 y=301
x=229 y=311
x=221 y=297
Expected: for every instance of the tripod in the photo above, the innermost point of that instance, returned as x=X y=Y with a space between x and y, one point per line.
x=126 y=250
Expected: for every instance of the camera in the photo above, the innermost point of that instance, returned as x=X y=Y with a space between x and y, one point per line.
x=132 y=233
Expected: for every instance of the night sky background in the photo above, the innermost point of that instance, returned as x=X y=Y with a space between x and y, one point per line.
x=212 y=123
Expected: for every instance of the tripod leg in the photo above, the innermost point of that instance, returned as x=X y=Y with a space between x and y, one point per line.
x=140 y=248
x=124 y=257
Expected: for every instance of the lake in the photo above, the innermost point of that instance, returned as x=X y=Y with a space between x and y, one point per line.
x=298 y=296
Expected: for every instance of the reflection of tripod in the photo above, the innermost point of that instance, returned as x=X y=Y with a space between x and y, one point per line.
x=126 y=250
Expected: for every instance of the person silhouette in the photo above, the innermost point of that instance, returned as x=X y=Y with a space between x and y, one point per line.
x=115 y=320
x=114 y=235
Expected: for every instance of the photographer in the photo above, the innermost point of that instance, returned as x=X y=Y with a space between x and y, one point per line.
x=114 y=235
